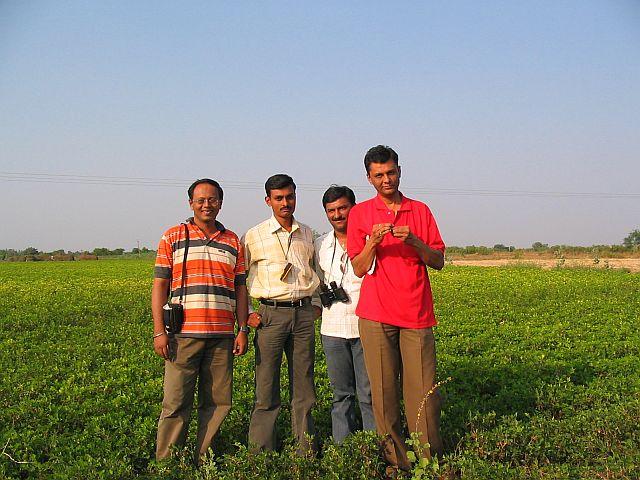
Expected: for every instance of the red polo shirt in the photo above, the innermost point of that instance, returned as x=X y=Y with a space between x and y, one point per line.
x=398 y=291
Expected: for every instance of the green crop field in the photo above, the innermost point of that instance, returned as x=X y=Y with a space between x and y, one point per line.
x=544 y=367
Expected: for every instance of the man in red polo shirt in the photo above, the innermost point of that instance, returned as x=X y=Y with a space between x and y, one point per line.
x=391 y=240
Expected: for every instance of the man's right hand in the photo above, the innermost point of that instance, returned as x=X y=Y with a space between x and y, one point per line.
x=254 y=320
x=378 y=232
x=161 y=346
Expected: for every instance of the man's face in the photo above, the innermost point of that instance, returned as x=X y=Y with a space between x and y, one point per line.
x=283 y=202
x=338 y=213
x=385 y=177
x=205 y=203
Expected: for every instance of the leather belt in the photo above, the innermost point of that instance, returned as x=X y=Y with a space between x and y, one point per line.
x=294 y=304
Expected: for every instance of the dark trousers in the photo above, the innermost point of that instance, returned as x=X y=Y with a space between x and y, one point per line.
x=348 y=377
x=209 y=362
x=395 y=355
x=290 y=331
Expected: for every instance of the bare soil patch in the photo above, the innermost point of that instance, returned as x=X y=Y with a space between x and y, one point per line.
x=631 y=264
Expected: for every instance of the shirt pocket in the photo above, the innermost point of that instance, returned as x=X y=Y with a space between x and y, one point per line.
x=223 y=260
x=301 y=252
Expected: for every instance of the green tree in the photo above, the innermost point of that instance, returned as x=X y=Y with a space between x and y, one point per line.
x=539 y=246
x=632 y=240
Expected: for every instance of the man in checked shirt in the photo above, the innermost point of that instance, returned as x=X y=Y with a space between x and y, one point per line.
x=281 y=276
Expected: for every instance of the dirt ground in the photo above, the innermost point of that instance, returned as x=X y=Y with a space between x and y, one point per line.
x=631 y=264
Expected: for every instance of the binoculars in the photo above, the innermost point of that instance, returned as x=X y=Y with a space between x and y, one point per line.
x=331 y=294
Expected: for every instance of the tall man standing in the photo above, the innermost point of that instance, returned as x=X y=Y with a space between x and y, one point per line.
x=281 y=276
x=340 y=335
x=396 y=304
x=214 y=298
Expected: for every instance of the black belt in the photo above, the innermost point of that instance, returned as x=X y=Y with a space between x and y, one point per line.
x=295 y=304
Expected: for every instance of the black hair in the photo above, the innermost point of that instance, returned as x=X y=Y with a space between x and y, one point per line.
x=277 y=182
x=380 y=154
x=204 y=180
x=334 y=192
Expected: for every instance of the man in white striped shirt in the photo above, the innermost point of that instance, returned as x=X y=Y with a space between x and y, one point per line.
x=340 y=335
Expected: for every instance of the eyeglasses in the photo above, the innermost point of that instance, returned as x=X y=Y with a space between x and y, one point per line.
x=212 y=201
x=344 y=258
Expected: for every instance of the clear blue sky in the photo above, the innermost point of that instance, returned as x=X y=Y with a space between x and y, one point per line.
x=479 y=98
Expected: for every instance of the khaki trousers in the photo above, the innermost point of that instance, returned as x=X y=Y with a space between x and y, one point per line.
x=210 y=361
x=395 y=355
x=292 y=331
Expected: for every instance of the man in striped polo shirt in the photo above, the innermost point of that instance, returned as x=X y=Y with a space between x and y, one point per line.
x=281 y=276
x=214 y=299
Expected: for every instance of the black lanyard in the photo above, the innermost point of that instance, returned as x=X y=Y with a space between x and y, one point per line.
x=286 y=255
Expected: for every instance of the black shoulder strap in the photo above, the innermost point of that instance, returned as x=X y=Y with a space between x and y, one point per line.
x=184 y=260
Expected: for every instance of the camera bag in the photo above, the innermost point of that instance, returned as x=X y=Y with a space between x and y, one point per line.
x=173 y=313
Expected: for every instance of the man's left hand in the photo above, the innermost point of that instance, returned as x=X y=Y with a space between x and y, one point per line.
x=240 y=344
x=317 y=311
x=404 y=233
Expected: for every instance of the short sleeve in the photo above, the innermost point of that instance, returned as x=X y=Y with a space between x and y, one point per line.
x=356 y=233
x=432 y=234
x=317 y=244
x=240 y=269
x=164 y=258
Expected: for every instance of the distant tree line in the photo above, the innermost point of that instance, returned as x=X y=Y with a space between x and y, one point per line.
x=32 y=254
x=631 y=243
x=539 y=247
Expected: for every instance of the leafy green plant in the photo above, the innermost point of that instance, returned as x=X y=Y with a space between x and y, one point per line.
x=545 y=363
x=423 y=466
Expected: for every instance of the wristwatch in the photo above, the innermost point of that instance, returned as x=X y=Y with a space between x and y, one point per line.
x=244 y=329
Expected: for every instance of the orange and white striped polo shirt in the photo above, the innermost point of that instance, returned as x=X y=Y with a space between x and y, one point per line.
x=214 y=267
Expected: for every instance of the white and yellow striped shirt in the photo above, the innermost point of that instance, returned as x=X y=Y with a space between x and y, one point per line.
x=268 y=249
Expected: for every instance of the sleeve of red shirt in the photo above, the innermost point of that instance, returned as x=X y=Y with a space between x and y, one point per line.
x=432 y=235
x=356 y=232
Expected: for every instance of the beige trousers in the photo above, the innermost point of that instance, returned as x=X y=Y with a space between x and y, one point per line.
x=210 y=362
x=394 y=356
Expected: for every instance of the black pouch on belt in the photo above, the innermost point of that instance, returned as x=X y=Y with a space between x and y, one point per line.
x=173 y=316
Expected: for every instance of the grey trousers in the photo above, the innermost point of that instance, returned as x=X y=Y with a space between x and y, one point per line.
x=209 y=362
x=290 y=331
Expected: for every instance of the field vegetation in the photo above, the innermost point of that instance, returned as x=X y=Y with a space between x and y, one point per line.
x=543 y=363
